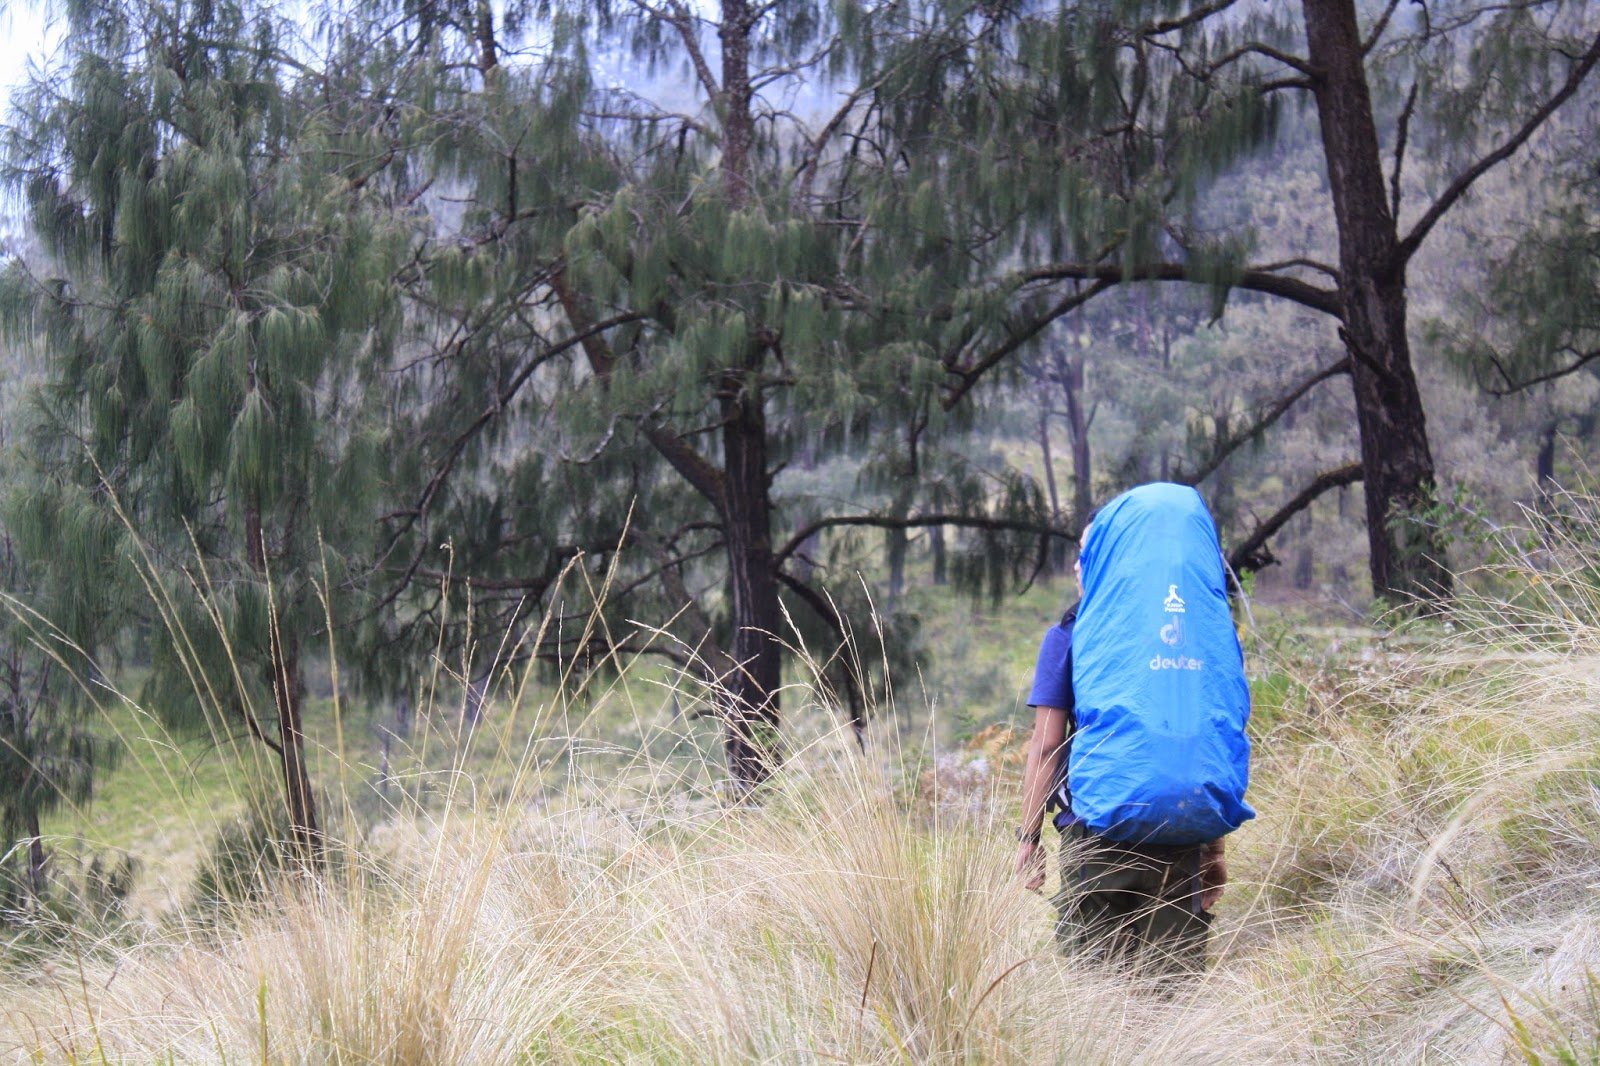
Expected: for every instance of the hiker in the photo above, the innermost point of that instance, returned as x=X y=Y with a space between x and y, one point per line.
x=1138 y=745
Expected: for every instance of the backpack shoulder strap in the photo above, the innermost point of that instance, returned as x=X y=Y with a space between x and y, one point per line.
x=1060 y=794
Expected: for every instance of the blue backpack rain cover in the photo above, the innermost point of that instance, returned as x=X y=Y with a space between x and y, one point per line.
x=1160 y=754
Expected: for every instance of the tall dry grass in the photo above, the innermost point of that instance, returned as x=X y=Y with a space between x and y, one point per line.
x=1420 y=886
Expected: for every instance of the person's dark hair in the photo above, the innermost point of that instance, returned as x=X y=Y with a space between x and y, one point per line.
x=1094 y=512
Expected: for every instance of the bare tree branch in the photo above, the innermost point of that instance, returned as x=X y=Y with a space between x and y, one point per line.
x=681 y=19
x=1183 y=22
x=1253 y=554
x=1512 y=385
x=968 y=376
x=1464 y=181
x=1378 y=27
x=1301 y=261
x=1251 y=279
x=1288 y=59
x=1279 y=84
x=1267 y=418
x=1400 y=151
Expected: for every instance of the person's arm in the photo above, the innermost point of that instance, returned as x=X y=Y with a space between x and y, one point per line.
x=1049 y=734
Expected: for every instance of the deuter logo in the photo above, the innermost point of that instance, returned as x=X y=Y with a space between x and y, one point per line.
x=1182 y=662
x=1172 y=632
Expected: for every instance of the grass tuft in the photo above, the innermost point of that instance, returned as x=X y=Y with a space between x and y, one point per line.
x=560 y=880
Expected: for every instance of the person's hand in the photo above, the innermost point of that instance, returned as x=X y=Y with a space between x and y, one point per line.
x=1030 y=865
x=1213 y=874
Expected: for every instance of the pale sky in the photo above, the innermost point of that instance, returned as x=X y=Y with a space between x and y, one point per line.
x=22 y=34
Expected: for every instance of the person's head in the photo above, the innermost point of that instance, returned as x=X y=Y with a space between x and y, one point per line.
x=1083 y=540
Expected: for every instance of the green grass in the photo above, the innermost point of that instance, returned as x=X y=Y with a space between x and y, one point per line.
x=170 y=794
x=160 y=803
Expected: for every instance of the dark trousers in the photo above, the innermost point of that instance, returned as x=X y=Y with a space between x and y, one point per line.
x=1133 y=905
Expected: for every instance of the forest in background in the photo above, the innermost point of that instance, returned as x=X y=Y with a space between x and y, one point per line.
x=361 y=354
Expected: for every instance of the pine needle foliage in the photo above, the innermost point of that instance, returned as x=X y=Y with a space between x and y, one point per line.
x=1072 y=147
x=208 y=303
x=653 y=309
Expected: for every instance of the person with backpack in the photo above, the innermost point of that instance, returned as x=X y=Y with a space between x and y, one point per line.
x=1140 y=704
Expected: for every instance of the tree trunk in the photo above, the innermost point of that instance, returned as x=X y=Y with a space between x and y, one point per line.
x=1054 y=556
x=739 y=494
x=1406 y=557
x=483 y=35
x=1223 y=503
x=752 y=691
x=1544 y=471
x=738 y=124
x=1305 y=561
x=299 y=801
x=37 y=858
x=1078 y=426
x=752 y=727
x=936 y=547
x=897 y=544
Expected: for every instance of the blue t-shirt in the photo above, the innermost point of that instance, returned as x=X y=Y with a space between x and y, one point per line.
x=1052 y=677
x=1052 y=687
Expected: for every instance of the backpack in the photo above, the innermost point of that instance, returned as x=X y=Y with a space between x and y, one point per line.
x=1160 y=754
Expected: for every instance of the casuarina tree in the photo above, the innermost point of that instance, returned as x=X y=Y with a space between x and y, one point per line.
x=1115 y=123
x=664 y=293
x=206 y=300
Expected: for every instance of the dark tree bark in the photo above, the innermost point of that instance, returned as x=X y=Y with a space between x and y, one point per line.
x=1055 y=557
x=738 y=124
x=1407 y=559
x=1078 y=427
x=299 y=801
x=941 y=562
x=897 y=543
x=1544 y=472
x=1305 y=562
x=752 y=712
x=304 y=833
x=483 y=34
x=37 y=858
x=752 y=728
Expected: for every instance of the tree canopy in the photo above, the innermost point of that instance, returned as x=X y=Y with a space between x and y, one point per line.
x=381 y=334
